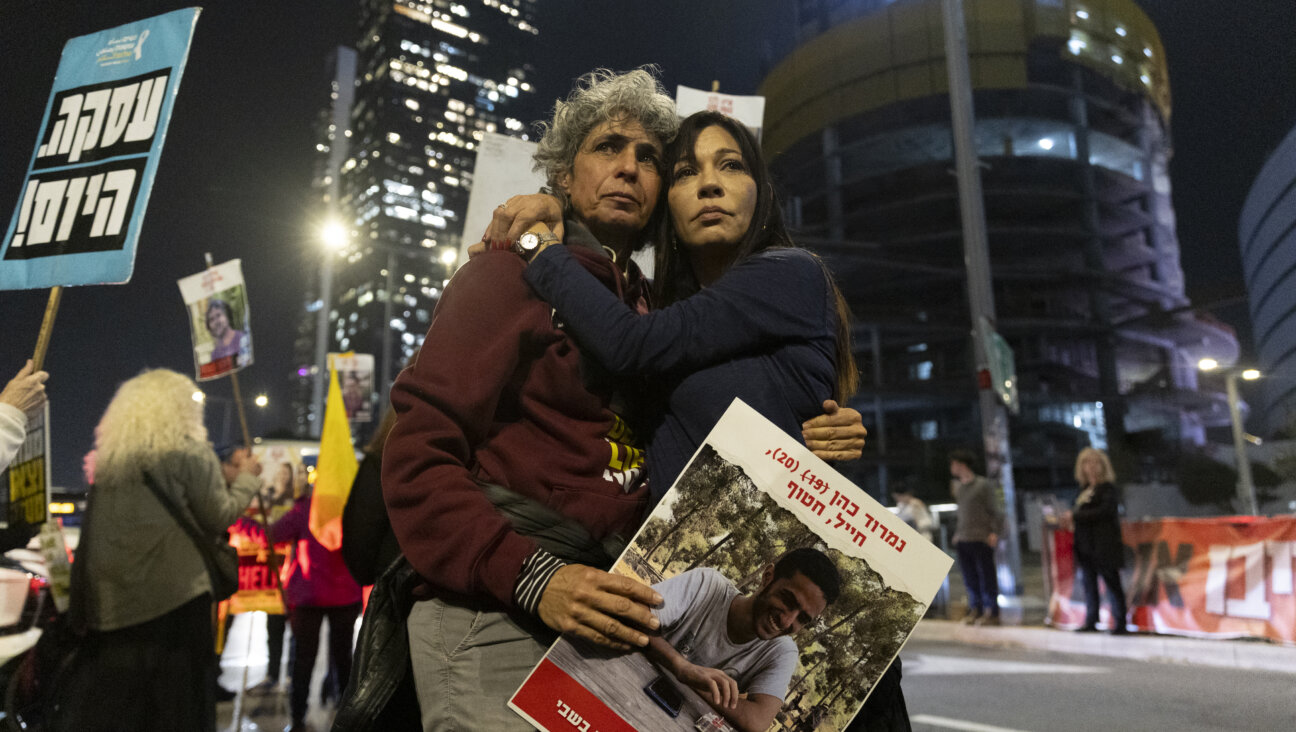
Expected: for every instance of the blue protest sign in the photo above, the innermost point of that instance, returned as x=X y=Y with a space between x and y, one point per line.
x=82 y=203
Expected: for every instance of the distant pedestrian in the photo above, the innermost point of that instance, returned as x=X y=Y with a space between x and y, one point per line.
x=911 y=510
x=975 y=537
x=1098 y=548
x=319 y=586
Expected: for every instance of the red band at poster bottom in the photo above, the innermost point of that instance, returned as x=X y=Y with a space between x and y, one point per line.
x=554 y=700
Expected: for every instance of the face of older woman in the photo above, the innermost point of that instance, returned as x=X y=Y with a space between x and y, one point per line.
x=614 y=180
x=712 y=200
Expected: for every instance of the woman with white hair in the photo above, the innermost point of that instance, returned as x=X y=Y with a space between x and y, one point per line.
x=140 y=585
x=1098 y=547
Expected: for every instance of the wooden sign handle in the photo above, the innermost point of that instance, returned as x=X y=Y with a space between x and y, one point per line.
x=47 y=326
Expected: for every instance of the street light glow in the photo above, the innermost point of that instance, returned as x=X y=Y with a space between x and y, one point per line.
x=262 y=400
x=1208 y=364
x=448 y=256
x=1251 y=374
x=199 y=396
x=334 y=235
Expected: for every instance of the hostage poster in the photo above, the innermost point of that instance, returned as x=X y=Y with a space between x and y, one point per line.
x=219 y=319
x=355 y=377
x=81 y=206
x=776 y=573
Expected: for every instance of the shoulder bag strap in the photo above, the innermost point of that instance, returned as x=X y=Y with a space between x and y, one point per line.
x=183 y=520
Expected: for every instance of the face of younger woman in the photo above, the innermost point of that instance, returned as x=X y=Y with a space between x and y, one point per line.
x=713 y=197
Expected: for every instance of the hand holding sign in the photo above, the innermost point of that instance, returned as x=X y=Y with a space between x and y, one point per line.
x=26 y=390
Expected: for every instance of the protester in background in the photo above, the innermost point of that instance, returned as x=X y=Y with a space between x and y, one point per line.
x=911 y=510
x=277 y=499
x=24 y=392
x=975 y=537
x=226 y=339
x=140 y=582
x=318 y=586
x=369 y=547
x=1098 y=548
x=230 y=471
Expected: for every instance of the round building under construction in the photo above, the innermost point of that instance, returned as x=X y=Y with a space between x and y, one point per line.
x=1072 y=109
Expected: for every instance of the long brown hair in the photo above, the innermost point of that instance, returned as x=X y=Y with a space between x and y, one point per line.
x=673 y=277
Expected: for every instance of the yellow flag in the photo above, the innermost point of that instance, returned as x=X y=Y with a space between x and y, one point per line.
x=335 y=470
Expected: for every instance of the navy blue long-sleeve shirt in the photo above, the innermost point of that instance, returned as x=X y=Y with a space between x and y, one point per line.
x=764 y=332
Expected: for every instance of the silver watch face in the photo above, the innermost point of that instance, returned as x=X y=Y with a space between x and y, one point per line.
x=529 y=241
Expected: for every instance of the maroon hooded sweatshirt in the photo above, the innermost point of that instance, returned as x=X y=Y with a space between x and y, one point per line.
x=500 y=394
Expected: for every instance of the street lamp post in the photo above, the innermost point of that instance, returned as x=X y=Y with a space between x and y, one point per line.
x=1246 y=484
x=335 y=237
x=980 y=283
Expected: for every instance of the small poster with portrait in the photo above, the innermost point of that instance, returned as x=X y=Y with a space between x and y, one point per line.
x=787 y=593
x=356 y=378
x=219 y=319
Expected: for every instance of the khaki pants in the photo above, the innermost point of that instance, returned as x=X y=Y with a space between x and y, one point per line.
x=467 y=664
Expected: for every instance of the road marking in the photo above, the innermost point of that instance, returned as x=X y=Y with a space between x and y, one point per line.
x=929 y=665
x=960 y=724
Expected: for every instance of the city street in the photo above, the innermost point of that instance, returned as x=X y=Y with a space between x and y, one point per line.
x=244 y=663
x=952 y=686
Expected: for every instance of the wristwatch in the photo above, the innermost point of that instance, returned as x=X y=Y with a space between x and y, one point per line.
x=532 y=240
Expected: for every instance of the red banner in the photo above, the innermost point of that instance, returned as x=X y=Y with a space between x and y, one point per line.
x=1227 y=577
x=258 y=588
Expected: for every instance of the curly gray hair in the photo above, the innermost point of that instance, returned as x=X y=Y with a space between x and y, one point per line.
x=599 y=96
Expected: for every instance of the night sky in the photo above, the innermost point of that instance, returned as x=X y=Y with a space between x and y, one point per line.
x=235 y=171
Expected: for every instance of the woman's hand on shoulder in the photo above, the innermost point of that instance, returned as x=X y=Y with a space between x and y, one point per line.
x=837 y=434
x=514 y=217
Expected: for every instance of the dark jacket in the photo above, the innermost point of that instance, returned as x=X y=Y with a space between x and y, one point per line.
x=1098 y=531
x=500 y=394
x=368 y=543
x=764 y=332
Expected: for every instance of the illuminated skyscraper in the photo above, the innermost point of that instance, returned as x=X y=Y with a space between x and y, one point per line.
x=431 y=77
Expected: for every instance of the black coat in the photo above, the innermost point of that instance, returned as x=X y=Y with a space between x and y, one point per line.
x=368 y=542
x=1097 y=530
